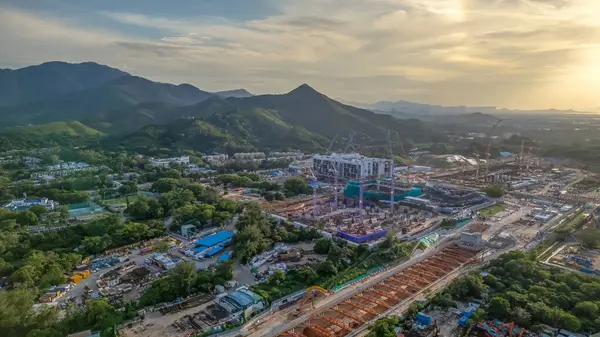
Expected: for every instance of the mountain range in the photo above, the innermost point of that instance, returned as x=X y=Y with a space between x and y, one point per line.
x=404 y=109
x=136 y=112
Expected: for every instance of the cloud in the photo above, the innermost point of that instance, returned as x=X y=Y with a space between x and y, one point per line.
x=515 y=53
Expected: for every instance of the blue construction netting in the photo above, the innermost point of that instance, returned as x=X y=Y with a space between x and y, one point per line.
x=352 y=190
x=362 y=238
x=214 y=239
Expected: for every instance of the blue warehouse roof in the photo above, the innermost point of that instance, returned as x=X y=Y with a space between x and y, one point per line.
x=224 y=257
x=214 y=251
x=214 y=239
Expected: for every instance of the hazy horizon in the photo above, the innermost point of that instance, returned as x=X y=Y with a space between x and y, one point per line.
x=514 y=54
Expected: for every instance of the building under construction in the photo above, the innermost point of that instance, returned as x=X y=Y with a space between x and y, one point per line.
x=349 y=166
x=367 y=304
x=445 y=196
x=380 y=190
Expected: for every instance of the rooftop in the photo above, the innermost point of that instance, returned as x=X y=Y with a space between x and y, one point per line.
x=214 y=239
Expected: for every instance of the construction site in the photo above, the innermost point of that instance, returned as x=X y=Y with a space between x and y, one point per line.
x=368 y=206
x=384 y=297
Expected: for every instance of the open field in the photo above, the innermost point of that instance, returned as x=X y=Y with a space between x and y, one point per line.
x=492 y=210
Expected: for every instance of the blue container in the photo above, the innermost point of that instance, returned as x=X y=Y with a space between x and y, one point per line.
x=423 y=319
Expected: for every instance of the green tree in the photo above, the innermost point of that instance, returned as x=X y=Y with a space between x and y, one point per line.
x=495 y=191
x=323 y=245
x=187 y=197
x=97 y=244
x=183 y=276
x=327 y=269
x=140 y=209
x=295 y=186
x=335 y=254
x=162 y=247
x=521 y=317
x=205 y=213
x=15 y=306
x=26 y=276
x=197 y=189
x=38 y=209
x=586 y=309
x=164 y=185
x=225 y=270
x=27 y=218
x=63 y=210
x=499 y=307
x=128 y=188
x=249 y=242
x=590 y=238
x=385 y=327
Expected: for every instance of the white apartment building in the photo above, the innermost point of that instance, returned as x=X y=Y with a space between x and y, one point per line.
x=350 y=166
x=273 y=156
x=166 y=162
x=216 y=159
x=249 y=156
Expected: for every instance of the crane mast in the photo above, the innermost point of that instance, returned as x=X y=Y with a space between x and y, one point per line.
x=487 y=153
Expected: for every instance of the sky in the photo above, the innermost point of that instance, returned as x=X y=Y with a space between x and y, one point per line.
x=524 y=54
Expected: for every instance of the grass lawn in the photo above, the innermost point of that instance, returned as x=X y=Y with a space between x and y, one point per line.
x=489 y=211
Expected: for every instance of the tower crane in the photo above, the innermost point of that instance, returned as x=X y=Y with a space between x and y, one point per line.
x=392 y=177
x=478 y=165
x=521 y=158
x=408 y=163
x=313 y=178
x=487 y=152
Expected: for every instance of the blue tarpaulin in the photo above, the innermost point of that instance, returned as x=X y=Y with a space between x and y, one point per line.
x=224 y=257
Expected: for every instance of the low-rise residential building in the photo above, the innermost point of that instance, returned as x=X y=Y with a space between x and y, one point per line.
x=166 y=162
x=216 y=159
x=249 y=156
x=274 y=156
x=63 y=170
x=24 y=204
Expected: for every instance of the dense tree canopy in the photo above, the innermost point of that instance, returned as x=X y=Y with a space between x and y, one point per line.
x=521 y=290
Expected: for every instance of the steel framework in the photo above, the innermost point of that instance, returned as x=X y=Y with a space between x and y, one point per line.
x=320 y=331
x=337 y=323
x=361 y=307
x=373 y=300
x=386 y=295
x=349 y=315
x=394 y=288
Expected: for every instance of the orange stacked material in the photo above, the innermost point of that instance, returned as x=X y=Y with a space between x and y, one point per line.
x=75 y=278
x=84 y=274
